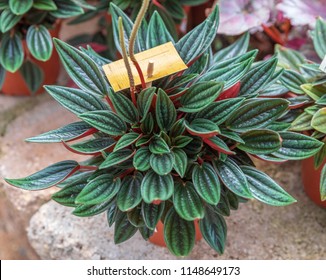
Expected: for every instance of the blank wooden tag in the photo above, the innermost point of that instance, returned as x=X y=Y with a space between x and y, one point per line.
x=166 y=60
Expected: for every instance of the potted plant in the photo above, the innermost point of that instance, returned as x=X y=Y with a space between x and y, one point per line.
x=306 y=81
x=27 y=59
x=177 y=151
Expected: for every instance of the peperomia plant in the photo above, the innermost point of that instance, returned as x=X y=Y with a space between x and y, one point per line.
x=307 y=84
x=178 y=150
x=24 y=33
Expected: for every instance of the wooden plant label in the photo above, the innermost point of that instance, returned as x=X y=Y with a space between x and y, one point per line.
x=166 y=61
x=322 y=66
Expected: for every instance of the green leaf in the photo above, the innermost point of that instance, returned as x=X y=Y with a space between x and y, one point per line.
x=112 y=213
x=93 y=145
x=46 y=178
x=126 y=140
x=144 y=101
x=180 y=162
x=135 y=217
x=206 y=183
x=123 y=229
x=141 y=159
x=199 y=96
x=33 y=75
x=233 y=177
x=260 y=142
x=76 y=100
x=256 y=113
x=101 y=189
x=319 y=38
x=198 y=40
x=265 y=188
x=181 y=141
x=219 y=145
x=302 y=122
x=11 y=52
x=315 y=92
x=203 y=128
x=214 y=230
x=256 y=79
x=86 y=210
x=223 y=207
x=157 y=33
x=66 y=9
x=2 y=76
x=44 y=5
x=124 y=107
x=39 y=42
x=179 y=234
x=116 y=157
x=165 y=112
x=297 y=146
x=158 y=145
x=186 y=202
x=129 y=195
x=3 y=4
x=81 y=69
x=289 y=58
x=293 y=81
x=152 y=213
x=178 y=128
x=66 y=133
x=319 y=120
x=323 y=184
x=20 y=7
x=162 y=164
x=105 y=121
x=8 y=20
x=156 y=187
x=147 y=125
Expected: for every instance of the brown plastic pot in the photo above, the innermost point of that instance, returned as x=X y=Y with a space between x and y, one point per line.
x=14 y=83
x=158 y=237
x=311 y=180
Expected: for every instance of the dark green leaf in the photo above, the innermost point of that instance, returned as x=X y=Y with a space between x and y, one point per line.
x=11 y=52
x=123 y=229
x=180 y=162
x=158 y=146
x=126 y=140
x=33 y=75
x=319 y=38
x=162 y=164
x=86 y=210
x=141 y=159
x=8 y=20
x=152 y=214
x=39 y=42
x=44 y=5
x=165 y=112
x=66 y=9
x=93 y=145
x=20 y=7
x=203 y=128
x=323 y=184
x=293 y=81
x=116 y=157
x=144 y=101
x=319 y=120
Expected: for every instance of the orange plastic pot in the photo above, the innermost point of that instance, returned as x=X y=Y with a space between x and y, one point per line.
x=14 y=83
x=158 y=237
x=311 y=181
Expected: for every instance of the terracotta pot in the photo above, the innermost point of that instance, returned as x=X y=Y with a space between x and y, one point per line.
x=311 y=180
x=14 y=83
x=158 y=237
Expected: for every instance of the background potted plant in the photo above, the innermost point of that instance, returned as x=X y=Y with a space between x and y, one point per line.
x=178 y=151
x=307 y=85
x=27 y=59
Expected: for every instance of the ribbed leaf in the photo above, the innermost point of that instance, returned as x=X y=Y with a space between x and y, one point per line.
x=319 y=38
x=8 y=20
x=152 y=213
x=44 y=5
x=198 y=40
x=141 y=159
x=129 y=195
x=66 y=133
x=66 y=9
x=147 y=125
x=265 y=188
x=288 y=58
x=302 y=122
x=81 y=69
x=46 y=178
x=123 y=229
x=232 y=177
x=135 y=217
x=116 y=157
x=162 y=164
x=156 y=187
x=126 y=140
x=124 y=107
x=256 y=113
x=144 y=101
x=199 y=96
x=319 y=120
x=20 y=7
x=180 y=162
x=256 y=79
x=76 y=100
x=223 y=207
x=39 y=42
x=179 y=234
x=32 y=75
x=112 y=213
x=158 y=146
x=315 y=92
x=206 y=183
x=86 y=210
x=2 y=76
x=297 y=146
x=219 y=145
x=293 y=81
x=323 y=184
x=105 y=121
x=214 y=230
x=165 y=112
x=203 y=128
x=93 y=145
x=260 y=142
x=181 y=141
x=11 y=52
x=101 y=189
x=178 y=128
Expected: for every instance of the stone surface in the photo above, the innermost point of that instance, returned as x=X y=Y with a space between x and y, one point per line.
x=255 y=231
